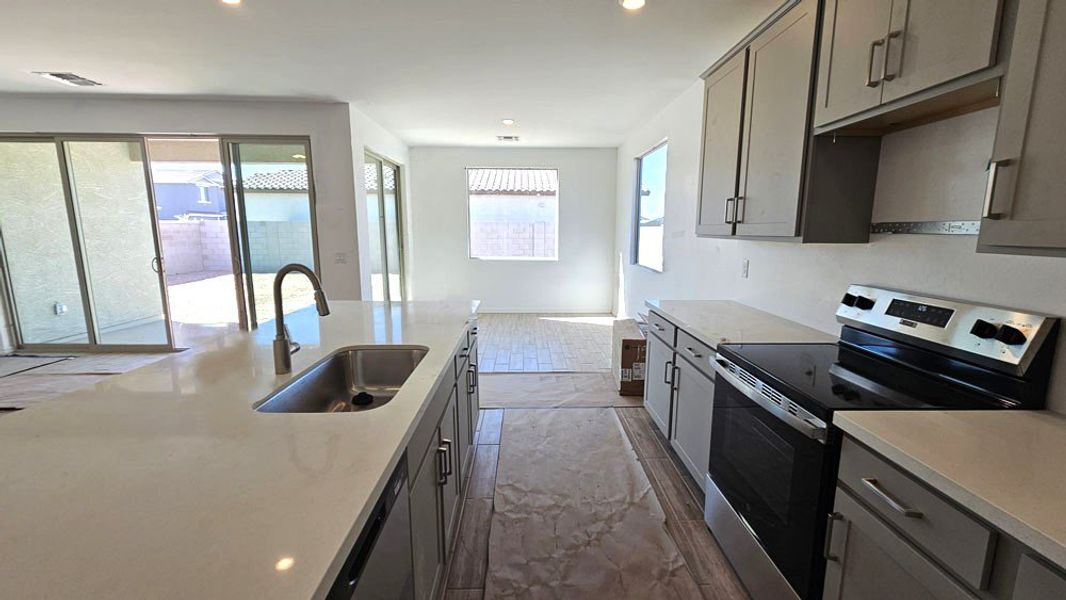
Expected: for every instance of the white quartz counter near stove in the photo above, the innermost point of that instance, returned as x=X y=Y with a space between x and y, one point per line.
x=1007 y=467
x=164 y=483
x=716 y=322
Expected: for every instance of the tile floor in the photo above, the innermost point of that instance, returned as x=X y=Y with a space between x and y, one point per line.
x=605 y=479
x=511 y=342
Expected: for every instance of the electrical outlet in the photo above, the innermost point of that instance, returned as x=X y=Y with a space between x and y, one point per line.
x=340 y=258
x=744 y=268
x=60 y=309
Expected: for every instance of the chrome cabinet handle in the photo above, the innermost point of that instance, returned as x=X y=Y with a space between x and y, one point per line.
x=738 y=214
x=442 y=475
x=668 y=373
x=990 y=188
x=658 y=327
x=894 y=504
x=870 y=81
x=885 y=75
x=447 y=445
x=693 y=352
x=729 y=213
x=827 y=548
x=471 y=379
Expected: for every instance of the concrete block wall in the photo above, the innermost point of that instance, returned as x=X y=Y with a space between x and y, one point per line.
x=509 y=238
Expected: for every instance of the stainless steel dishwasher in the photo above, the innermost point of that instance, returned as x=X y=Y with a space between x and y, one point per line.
x=379 y=566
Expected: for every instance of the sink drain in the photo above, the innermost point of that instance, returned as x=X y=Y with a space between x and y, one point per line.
x=362 y=399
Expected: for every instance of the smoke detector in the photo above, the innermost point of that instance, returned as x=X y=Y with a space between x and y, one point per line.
x=68 y=78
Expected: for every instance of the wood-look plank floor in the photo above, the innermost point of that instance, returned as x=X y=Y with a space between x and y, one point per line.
x=680 y=497
x=512 y=342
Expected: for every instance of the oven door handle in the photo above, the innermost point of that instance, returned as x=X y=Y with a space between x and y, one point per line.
x=812 y=427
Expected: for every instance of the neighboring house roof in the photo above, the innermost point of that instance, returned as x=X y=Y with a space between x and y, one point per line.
x=201 y=178
x=370 y=176
x=285 y=180
x=513 y=181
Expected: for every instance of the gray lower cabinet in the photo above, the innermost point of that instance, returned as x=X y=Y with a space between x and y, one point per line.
x=427 y=532
x=451 y=484
x=693 y=399
x=1025 y=211
x=658 y=383
x=867 y=560
x=1037 y=581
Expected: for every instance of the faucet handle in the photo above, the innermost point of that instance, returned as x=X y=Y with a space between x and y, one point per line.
x=294 y=346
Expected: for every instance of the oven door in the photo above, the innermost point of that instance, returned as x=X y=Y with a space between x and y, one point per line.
x=770 y=461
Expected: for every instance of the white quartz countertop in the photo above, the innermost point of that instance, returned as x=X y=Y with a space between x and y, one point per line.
x=716 y=322
x=1007 y=467
x=164 y=483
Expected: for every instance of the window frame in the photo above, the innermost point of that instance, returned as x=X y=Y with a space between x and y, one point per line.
x=470 y=223
x=634 y=253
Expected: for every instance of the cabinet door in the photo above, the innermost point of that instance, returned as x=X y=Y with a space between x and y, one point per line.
x=475 y=394
x=866 y=560
x=1037 y=581
x=694 y=396
x=658 y=383
x=780 y=64
x=426 y=540
x=933 y=41
x=1025 y=207
x=723 y=108
x=450 y=496
x=464 y=447
x=852 y=53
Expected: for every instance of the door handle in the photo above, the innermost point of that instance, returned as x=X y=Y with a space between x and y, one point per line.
x=448 y=470
x=742 y=205
x=442 y=475
x=870 y=81
x=827 y=548
x=668 y=372
x=892 y=503
x=729 y=213
x=885 y=75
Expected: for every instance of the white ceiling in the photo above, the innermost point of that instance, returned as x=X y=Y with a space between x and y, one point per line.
x=435 y=72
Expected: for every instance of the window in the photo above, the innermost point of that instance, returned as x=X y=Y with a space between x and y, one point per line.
x=514 y=214
x=651 y=203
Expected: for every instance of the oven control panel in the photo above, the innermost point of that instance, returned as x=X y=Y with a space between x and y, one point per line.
x=1000 y=334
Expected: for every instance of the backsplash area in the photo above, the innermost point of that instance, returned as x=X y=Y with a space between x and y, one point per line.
x=805 y=282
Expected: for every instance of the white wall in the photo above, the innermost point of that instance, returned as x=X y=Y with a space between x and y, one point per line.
x=368 y=136
x=328 y=124
x=936 y=171
x=580 y=281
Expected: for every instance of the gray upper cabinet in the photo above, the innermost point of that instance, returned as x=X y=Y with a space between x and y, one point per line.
x=723 y=116
x=780 y=64
x=932 y=41
x=853 y=38
x=1025 y=210
x=874 y=52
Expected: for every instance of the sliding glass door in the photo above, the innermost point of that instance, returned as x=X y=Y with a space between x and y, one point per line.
x=81 y=252
x=273 y=194
x=382 y=180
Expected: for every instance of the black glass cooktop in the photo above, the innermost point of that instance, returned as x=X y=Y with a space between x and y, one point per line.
x=827 y=377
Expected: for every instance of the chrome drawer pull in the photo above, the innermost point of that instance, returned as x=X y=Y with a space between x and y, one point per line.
x=890 y=501
x=693 y=352
x=830 y=519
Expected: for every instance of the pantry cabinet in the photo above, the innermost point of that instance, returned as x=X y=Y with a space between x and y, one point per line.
x=874 y=52
x=1024 y=210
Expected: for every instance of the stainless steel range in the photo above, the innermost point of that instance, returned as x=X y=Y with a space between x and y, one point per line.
x=774 y=450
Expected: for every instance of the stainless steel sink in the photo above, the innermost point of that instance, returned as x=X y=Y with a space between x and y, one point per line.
x=351 y=380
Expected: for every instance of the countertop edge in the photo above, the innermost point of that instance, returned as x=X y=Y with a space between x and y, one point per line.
x=694 y=330
x=1046 y=546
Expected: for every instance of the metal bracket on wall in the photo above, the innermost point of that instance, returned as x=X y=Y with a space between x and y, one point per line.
x=928 y=227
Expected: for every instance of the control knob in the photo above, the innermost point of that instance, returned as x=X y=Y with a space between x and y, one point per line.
x=1010 y=336
x=848 y=300
x=983 y=329
x=864 y=303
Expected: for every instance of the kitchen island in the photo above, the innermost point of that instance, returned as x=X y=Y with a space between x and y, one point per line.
x=166 y=483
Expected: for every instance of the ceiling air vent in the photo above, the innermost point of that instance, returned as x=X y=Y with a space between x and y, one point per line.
x=507 y=138
x=68 y=78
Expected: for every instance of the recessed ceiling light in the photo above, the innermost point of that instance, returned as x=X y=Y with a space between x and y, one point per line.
x=299 y=156
x=231 y=2
x=508 y=122
x=631 y=4
x=284 y=564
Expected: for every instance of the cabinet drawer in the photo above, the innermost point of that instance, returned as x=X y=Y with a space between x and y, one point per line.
x=426 y=432
x=955 y=539
x=661 y=327
x=462 y=357
x=696 y=352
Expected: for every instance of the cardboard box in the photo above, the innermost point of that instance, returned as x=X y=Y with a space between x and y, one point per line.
x=629 y=352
